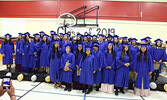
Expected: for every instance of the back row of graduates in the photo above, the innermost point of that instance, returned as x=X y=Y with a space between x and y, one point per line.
x=88 y=60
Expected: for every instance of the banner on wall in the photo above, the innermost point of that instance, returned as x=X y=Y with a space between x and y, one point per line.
x=87 y=30
x=12 y=26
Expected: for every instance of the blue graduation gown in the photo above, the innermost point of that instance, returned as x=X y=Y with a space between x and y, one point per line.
x=133 y=51
x=117 y=49
x=102 y=46
x=100 y=63
x=143 y=68
x=18 y=54
x=108 y=74
x=149 y=49
x=122 y=72
x=34 y=61
x=25 y=48
x=7 y=50
x=54 y=64
x=77 y=61
x=66 y=76
x=87 y=44
x=88 y=66
x=157 y=55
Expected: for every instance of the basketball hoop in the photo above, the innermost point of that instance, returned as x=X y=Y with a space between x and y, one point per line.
x=66 y=20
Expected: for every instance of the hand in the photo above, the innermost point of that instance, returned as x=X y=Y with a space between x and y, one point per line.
x=128 y=64
x=2 y=91
x=160 y=61
x=99 y=69
x=17 y=50
x=11 y=91
x=109 y=67
x=23 y=54
x=65 y=69
x=135 y=72
x=150 y=72
x=77 y=66
x=154 y=61
x=94 y=72
x=35 y=54
x=3 y=55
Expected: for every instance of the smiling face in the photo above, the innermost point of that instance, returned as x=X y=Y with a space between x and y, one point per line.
x=159 y=44
x=68 y=49
x=79 y=48
x=88 y=52
x=109 y=46
x=143 y=49
x=8 y=38
x=126 y=48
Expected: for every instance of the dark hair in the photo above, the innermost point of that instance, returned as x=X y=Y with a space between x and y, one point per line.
x=47 y=41
x=123 y=54
x=36 y=41
x=25 y=40
x=77 y=52
x=145 y=55
x=112 y=50
x=85 y=55
x=6 y=41
x=18 y=39
x=53 y=51
x=115 y=44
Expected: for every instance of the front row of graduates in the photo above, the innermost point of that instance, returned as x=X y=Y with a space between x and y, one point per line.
x=109 y=68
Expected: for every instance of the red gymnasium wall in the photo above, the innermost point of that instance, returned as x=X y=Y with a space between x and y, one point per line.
x=114 y=10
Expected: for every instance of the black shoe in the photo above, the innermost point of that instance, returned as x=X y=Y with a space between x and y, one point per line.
x=122 y=91
x=97 y=88
x=88 y=92
x=116 y=93
x=65 y=89
x=69 y=90
x=83 y=91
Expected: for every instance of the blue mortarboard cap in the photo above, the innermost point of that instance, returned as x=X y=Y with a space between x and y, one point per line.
x=71 y=38
x=125 y=44
x=68 y=45
x=147 y=38
x=8 y=35
x=124 y=38
x=89 y=36
x=61 y=34
x=95 y=44
x=56 y=41
x=79 y=35
x=88 y=48
x=110 y=43
x=109 y=36
x=52 y=32
x=143 y=40
x=130 y=39
x=45 y=35
x=115 y=37
x=36 y=35
x=85 y=36
x=42 y=32
x=134 y=39
x=143 y=45
x=158 y=40
x=80 y=44
x=101 y=35
x=20 y=34
x=27 y=33
x=94 y=36
x=66 y=34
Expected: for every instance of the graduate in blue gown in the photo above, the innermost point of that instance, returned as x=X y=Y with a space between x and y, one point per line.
x=54 y=57
x=24 y=50
x=18 y=54
x=34 y=54
x=61 y=36
x=108 y=69
x=78 y=55
x=53 y=39
x=149 y=46
x=44 y=47
x=78 y=41
x=100 y=63
x=109 y=39
x=124 y=40
x=158 y=55
x=88 y=42
x=65 y=42
x=117 y=45
x=51 y=35
x=72 y=44
x=66 y=75
x=94 y=38
x=7 y=51
x=143 y=66
x=102 y=44
x=41 y=35
x=88 y=66
x=123 y=63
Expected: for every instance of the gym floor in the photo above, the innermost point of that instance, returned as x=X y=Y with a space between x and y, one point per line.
x=26 y=90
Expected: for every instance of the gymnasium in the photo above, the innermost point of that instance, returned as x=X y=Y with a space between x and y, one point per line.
x=83 y=49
